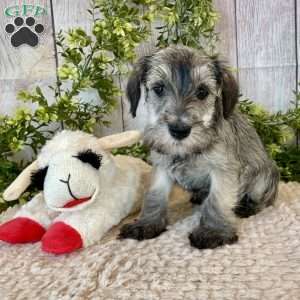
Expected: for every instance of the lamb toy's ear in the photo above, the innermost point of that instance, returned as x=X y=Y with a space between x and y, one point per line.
x=21 y=183
x=119 y=140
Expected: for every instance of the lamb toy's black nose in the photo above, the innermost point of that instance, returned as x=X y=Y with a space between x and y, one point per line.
x=179 y=130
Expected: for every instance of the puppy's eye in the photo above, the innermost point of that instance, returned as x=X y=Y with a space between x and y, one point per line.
x=91 y=158
x=202 y=92
x=159 y=89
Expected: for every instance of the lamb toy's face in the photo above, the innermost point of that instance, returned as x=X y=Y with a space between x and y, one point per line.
x=71 y=180
x=73 y=169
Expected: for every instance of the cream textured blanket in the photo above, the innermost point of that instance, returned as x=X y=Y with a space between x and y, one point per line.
x=264 y=264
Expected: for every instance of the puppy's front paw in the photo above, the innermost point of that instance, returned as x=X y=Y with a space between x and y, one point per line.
x=204 y=238
x=141 y=231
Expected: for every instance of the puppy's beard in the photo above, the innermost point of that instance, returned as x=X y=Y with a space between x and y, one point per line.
x=158 y=138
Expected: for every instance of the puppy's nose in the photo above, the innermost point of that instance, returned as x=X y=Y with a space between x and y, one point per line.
x=179 y=130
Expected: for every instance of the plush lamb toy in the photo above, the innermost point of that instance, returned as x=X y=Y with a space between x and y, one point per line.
x=86 y=191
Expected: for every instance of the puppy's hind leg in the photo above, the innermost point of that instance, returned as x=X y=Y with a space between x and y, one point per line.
x=260 y=192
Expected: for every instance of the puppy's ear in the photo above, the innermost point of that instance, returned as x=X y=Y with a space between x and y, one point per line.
x=228 y=85
x=135 y=80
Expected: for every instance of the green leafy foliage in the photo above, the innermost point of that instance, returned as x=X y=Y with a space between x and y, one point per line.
x=126 y=24
x=190 y=22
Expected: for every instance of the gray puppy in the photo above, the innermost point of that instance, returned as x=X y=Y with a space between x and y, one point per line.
x=200 y=141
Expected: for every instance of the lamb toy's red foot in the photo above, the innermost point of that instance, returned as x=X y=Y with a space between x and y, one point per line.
x=21 y=230
x=61 y=238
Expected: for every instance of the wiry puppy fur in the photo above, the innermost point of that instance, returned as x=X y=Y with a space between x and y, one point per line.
x=200 y=141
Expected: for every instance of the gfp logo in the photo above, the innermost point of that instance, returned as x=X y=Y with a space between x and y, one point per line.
x=24 y=29
x=25 y=10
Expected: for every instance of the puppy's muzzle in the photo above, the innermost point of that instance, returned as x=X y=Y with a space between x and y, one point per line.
x=179 y=130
